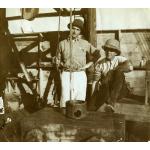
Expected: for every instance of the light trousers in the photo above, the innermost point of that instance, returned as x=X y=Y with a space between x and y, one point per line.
x=74 y=87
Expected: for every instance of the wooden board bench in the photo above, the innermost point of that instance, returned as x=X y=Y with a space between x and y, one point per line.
x=134 y=112
x=50 y=125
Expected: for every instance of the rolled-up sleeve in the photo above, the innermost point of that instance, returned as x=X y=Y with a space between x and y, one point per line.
x=121 y=59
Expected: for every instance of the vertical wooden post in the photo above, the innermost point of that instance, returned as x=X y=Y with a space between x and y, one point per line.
x=3 y=22
x=118 y=36
x=90 y=25
x=91 y=36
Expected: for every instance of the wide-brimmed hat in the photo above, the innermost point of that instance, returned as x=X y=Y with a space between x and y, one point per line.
x=112 y=44
x=78 y=23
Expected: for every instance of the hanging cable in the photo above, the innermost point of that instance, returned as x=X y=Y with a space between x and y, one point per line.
x=74 y=14
x=70 y=52
x=57 y=51
x=58 y=35
x=58 y=38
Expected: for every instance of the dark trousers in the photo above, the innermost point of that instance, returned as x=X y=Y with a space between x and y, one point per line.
x=112 y=88
x=5 y=51
x=2 y=84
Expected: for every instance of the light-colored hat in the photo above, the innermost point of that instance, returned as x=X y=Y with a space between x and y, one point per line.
x=112 y=44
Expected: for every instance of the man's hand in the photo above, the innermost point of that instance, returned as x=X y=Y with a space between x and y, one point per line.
x=96 y=55
x=87 y=66
x=55 y=60
x=125 y=66
x=96 y=86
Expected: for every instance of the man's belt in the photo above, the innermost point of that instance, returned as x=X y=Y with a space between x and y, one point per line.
x=79 y=69
x=73 y=70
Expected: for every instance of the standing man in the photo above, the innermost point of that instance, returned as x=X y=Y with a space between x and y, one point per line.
x=73 y=76
x=109 y=77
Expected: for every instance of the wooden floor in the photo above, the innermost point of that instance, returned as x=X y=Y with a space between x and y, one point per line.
x=134 y=112
x=57 y=127
x=136 y=116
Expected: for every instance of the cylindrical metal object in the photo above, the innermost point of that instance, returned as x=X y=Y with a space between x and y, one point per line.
x=76 y=109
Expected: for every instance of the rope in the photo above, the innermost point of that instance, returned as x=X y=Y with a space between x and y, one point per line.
x=74 y=14
x=58 y=36
x=70 y=52
x=57 y=51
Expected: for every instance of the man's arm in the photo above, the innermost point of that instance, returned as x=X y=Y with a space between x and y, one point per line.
x=92 y=57
x=89 y=64
x=94 y=53
x=125 y=66
x=58 y=58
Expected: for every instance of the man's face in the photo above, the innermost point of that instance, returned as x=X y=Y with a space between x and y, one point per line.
x=110 y=53
x=75 y=32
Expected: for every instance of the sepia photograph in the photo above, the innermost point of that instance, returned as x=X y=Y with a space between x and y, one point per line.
x=74 y=74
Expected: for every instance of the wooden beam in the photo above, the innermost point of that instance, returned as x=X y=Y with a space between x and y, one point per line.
x=122 y=31
x=25 y=34
x=118 y=35
x=54 y=14
x=29 y=47
x=26 y=39
x=3 y=21
x=90 y=25
x=57 y=9
x=133 y=112
x=66 y=10
x=90 y=34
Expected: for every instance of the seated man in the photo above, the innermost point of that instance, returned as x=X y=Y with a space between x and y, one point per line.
x=109 y=80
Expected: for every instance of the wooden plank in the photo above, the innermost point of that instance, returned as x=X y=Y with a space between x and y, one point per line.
x=27 y=39
x=109 y=126
x=53 y=14
x=28 y=48
x=134 y=112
